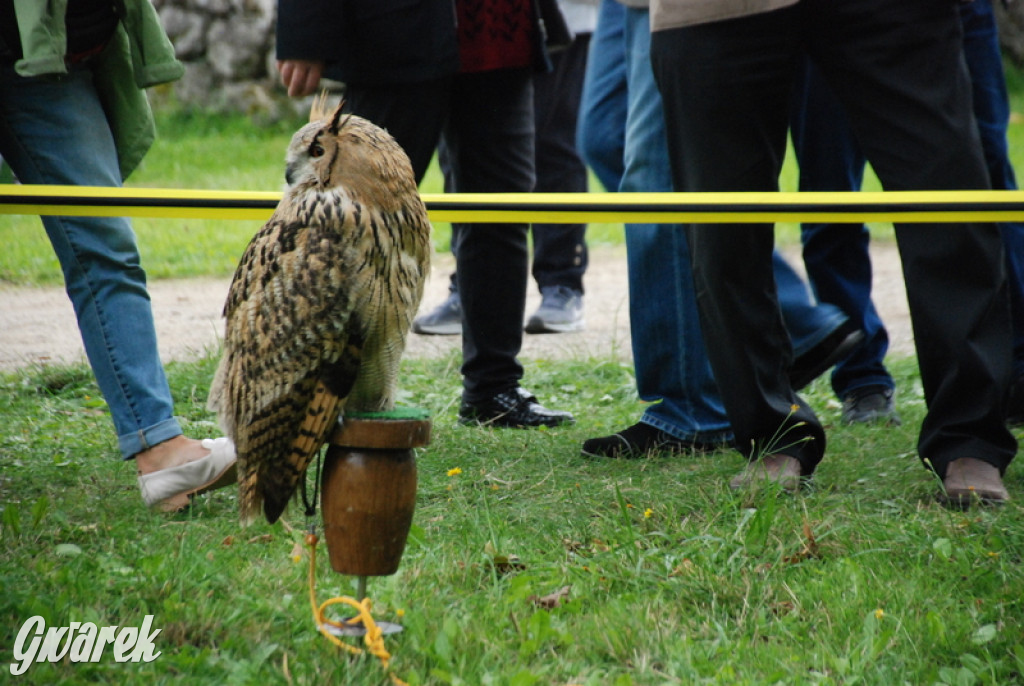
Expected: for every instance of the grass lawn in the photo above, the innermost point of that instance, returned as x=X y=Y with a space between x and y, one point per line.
x=527 y=564
x=670 y=577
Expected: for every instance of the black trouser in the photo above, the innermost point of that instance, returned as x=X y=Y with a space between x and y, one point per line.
x=486 y=121
x=559 y=250
x=896 y=66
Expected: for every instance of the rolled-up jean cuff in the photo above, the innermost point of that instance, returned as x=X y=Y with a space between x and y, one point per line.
x=134 y=443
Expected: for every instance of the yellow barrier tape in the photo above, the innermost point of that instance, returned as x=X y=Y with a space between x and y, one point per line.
x=93 y=201
x=552 y=208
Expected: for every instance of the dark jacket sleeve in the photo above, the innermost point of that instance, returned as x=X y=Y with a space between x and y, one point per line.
x=304 y=30
x=371 y=41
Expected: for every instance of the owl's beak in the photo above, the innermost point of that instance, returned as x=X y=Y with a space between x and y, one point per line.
x=289 y=174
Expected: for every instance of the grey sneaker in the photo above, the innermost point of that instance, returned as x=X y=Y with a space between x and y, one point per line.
x=560 y=311
x=868 y=405
x=443 y=320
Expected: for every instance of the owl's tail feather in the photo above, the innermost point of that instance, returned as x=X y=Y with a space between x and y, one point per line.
x=249 y=499
x=321 y=416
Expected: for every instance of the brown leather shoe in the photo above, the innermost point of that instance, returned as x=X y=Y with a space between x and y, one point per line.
x=969 y=480
x=778 y=468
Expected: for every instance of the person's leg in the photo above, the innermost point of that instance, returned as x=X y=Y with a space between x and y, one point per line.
x=55 y=132
x=992 y=112
x=836 y=255
x=489 y=139
x=559 y=250
x=911 y=105
x=490 y=149
x=672 y=369
x=725 y=89
x=600 y=134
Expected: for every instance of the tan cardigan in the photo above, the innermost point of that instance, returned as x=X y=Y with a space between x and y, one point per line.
x=672 y=14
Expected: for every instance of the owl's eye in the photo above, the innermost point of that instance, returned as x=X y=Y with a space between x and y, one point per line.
x=316 y=150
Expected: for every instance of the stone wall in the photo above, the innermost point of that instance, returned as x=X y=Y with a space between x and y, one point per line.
x=228 y=50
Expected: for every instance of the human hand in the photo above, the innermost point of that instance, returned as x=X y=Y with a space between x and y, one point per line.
x=300 y=77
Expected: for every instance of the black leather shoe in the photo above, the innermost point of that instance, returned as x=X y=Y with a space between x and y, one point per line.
x=641 y=440
x=825 y=355
x=515 y=408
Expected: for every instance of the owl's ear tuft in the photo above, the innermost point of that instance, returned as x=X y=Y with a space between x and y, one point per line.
x=318 y=110
x=336 y=120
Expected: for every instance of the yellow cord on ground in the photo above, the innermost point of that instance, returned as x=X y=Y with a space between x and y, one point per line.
x=374 y=637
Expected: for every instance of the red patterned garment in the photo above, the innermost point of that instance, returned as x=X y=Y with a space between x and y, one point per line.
x=494 y=34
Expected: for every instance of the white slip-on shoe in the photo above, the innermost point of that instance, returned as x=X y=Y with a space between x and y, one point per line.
x=171 y=489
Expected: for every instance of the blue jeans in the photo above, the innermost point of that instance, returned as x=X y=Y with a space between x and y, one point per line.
x=55 y=132
x=836 y=255
x=672 y=368
x=601 y=130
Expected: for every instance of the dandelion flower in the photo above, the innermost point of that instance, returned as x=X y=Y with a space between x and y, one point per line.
x=648 y=512
x=879 y=613
x=455 y=471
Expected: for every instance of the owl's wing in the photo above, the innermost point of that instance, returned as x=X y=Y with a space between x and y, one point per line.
x=389 y=294
x=292 y=352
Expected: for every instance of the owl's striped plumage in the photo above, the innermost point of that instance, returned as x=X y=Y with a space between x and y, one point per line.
x=320 y=305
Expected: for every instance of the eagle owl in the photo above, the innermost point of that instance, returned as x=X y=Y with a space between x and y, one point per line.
x=320 y=305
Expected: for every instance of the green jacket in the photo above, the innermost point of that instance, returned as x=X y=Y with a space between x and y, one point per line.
x=139 y=55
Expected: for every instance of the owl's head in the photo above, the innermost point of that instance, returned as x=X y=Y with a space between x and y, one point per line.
x=343 y=150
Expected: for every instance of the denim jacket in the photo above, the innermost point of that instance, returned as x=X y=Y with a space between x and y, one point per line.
x=139 y=55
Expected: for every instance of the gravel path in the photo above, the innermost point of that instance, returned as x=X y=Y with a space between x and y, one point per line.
x=37 y=325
